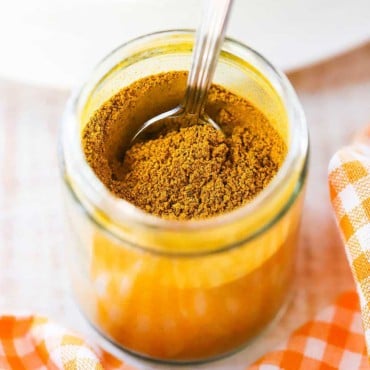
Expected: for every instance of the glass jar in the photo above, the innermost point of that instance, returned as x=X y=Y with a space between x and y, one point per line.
x=183 y=291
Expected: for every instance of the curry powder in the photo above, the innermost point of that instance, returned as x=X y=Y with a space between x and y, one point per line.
x=192 y=172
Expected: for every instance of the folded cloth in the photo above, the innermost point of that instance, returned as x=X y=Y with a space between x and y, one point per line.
x=333 y=340
x=349 y=181
x=34 y=342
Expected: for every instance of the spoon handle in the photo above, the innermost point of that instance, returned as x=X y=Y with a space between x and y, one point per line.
x=209 y=39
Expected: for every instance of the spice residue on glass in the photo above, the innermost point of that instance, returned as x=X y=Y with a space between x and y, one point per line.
x=192 y=172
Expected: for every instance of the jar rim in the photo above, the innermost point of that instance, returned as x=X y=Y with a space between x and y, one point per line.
x=114 y=207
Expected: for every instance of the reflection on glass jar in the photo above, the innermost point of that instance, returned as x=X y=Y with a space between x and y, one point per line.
x=183 y=290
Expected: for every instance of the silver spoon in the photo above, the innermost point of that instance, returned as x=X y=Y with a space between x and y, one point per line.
x=209 y=38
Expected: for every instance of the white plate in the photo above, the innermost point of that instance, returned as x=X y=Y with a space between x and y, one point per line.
x=56 y=42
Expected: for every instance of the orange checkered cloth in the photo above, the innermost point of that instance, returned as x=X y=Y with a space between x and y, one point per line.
x=335 y=339
x=350 y=194
x=34 y=342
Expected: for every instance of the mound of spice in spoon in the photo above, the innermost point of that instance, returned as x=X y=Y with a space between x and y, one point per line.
x=193 y=172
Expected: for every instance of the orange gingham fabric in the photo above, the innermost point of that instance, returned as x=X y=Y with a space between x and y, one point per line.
x=33 y=342
x=349 y=183
x=335 y=339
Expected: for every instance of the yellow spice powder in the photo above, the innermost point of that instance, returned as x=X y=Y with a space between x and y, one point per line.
x=188 y=173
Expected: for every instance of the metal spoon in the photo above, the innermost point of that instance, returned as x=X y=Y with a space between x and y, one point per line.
x=209 y=38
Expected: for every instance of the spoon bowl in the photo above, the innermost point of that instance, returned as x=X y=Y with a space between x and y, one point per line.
x=170 y=121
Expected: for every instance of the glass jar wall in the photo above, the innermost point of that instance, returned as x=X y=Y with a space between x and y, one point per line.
x=183 y=291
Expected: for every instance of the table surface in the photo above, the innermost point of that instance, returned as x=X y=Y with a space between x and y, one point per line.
x=336 y=98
